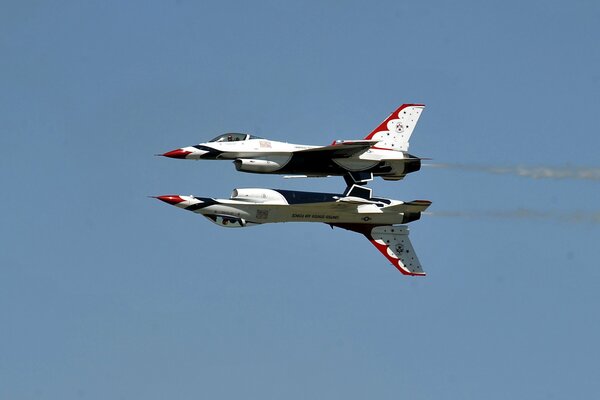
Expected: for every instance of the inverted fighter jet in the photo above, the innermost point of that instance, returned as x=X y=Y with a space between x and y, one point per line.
x=383 y=152
x=355 y=210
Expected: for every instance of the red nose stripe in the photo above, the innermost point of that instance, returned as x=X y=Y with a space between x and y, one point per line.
x=177 y=153
x=171 y=199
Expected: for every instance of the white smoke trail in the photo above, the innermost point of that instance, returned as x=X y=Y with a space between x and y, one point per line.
x=576 y=217
x=566 y=172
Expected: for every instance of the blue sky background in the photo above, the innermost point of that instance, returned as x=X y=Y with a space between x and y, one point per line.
x=105 y=293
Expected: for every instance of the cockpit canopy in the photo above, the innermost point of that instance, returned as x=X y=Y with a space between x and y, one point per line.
x=234 y=137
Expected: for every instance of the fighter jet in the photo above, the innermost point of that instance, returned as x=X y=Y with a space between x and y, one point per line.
x=383 y=152
x=355 y=210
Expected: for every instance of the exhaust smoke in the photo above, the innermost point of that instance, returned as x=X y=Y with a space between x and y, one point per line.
x=543 y=172
x=576 y=217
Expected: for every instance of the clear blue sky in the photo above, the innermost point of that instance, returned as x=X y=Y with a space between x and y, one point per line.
x=106 y=294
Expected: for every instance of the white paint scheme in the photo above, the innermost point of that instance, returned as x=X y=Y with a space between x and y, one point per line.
x=373 y=217
x=398 y=247
x=258 y=196
x=245 y=202
x=386 y=147
x=396 y=131
x=263 y=164
x=247 y=149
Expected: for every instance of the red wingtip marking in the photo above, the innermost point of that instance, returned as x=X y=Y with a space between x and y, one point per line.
x=170 y=199
x=178 y=153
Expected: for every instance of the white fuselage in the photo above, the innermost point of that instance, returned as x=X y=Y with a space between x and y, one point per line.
x=264 y=213
x=264 y=147
x=268 y=156
x=383 y=152
x=259 y=206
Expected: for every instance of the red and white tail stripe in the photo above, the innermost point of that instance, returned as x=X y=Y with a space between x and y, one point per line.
x=395 y=131
x=394 y=244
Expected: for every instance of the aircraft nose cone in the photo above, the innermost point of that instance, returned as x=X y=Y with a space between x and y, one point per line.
x=172 y=199
x=178 y=153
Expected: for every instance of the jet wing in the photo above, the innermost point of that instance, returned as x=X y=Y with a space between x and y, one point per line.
x=342 y=149
x=393 y=242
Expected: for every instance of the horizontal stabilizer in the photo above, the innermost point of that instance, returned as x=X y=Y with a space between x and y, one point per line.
x=414 y=206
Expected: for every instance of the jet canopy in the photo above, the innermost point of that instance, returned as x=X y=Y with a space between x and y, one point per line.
x=233 y=137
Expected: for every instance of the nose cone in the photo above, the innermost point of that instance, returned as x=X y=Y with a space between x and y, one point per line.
x=172 y=199
x=177 y=153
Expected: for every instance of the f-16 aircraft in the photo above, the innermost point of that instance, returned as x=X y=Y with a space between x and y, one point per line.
x=383 y=152
x=355 y=210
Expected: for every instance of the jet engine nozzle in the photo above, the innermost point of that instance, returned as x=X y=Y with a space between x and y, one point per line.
x=410 y=217
x=406 y=167
x=412 y=165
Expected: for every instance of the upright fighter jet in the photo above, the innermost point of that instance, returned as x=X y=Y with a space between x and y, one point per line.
x=355 y=210
x=383 y=152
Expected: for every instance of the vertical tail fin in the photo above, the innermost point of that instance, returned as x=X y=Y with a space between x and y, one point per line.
x=394 y=133
x=394 y=243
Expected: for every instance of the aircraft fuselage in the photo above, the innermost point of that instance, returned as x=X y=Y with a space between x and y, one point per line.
x=355 y=210
x=261 y=206
x=272 y=157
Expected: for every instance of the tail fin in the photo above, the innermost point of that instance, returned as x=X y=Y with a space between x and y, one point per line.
x=394 y=133
x=393 y=242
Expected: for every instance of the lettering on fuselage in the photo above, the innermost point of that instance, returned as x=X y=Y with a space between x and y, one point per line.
x=315 y=216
